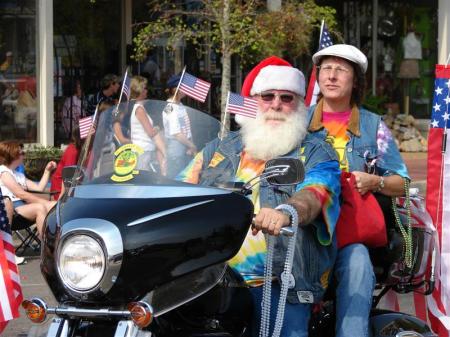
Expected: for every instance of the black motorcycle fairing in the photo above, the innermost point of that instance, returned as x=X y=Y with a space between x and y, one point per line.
x=159 y=249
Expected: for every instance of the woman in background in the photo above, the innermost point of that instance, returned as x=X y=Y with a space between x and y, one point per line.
x=143 y=132
x=17 y=187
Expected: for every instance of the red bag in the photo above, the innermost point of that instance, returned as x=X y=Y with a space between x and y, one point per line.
x=361 y=219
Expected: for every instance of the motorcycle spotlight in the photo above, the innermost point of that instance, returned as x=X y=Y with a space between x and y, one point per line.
x=141 y=313
x=81 y=262
x=35 y=309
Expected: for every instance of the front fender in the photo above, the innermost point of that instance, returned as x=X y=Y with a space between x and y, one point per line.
x=386 y=323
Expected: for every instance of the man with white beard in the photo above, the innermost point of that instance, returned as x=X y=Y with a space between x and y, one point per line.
x=279 y=130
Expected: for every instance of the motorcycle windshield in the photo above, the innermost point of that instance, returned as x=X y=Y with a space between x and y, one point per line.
x=144 y=145
x=149 y=143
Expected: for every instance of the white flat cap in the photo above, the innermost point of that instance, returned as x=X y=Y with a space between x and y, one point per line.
x=344 y=51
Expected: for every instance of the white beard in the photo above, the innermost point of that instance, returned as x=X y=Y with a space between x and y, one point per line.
x=266 y=141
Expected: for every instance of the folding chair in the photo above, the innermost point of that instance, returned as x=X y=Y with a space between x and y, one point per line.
x=24 y=230
x=26 y=233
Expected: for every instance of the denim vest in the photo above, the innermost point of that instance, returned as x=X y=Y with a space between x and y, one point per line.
x=365 y=141
x=312 y=261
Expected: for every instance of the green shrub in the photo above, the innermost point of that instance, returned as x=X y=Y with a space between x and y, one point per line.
x=37 y=157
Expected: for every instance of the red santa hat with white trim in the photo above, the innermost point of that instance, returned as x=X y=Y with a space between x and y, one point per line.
x=273 y=73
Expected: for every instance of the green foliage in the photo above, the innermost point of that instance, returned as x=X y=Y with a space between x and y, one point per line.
x=375 y=104
x=247 y=30
x=37 y=157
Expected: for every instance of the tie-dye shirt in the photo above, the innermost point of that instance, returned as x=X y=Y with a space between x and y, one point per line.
x=249 y=261
x=336 y=124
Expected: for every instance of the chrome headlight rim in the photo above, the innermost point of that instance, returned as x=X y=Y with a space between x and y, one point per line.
x=110 y=236
x=61 y=245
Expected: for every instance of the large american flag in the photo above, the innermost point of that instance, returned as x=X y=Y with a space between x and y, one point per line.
x=313 y=87
x=438 y=199
x=241 y=105
x=194 y=87
x=10 y=289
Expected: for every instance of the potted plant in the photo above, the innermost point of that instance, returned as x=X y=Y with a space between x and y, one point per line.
x=37 y=157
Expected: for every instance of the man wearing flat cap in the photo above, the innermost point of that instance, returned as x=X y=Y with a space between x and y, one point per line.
x=363 y=143
x=279 y=129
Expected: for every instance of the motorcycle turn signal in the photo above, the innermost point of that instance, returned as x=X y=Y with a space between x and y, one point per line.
x=141 y=314
x=35 y=309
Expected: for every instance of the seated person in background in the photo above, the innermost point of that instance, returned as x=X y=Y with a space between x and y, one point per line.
x=17 y=187
x=69 y=157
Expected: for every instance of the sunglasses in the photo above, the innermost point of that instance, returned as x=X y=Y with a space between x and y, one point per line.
x=270 y=96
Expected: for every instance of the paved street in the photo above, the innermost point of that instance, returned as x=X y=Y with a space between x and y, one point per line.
x=33 y=283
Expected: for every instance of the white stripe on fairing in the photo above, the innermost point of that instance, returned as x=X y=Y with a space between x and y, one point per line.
x=109 y=191
x=167 y=212
x=445 y=248
x=4 y=300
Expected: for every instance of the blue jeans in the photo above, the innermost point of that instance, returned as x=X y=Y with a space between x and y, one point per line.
x=355 y=284
x=296 y=316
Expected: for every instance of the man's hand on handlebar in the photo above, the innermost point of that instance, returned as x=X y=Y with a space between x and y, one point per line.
x=270 y=221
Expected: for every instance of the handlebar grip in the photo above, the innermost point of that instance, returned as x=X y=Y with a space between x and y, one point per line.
x=287 y=231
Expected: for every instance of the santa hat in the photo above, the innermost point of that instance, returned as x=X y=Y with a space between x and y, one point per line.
x=273 y=73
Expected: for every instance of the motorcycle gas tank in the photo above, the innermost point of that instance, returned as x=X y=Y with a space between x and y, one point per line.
x=166 y=232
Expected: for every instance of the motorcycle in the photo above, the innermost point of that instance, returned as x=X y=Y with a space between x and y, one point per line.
x=130 y=252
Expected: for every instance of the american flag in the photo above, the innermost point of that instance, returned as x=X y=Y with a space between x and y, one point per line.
x=85 y=126
x=10 y=289
x=241 y=105
x=126 y=85
x=313 y=87
x=438 y=199
x=194 y=87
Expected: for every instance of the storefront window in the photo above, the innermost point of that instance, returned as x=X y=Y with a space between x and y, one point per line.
x=18 y=104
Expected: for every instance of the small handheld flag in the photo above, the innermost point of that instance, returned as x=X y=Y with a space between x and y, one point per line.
x=85 y=126
x=313 y=87
x=125 y=86
x=240 y=105
x=194 y=87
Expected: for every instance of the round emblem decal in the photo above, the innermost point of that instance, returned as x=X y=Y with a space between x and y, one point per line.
x=125 y=161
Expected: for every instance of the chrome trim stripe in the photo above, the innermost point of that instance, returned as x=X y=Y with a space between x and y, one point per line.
x=167 y=212
x=110 y=191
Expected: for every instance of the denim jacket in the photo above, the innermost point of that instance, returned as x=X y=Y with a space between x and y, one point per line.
x=312 y=260
x=363 y=130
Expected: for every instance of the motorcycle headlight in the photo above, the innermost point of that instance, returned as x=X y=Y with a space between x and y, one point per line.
x=81 y=262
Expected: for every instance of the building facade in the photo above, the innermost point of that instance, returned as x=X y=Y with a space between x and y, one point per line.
x=49 y=49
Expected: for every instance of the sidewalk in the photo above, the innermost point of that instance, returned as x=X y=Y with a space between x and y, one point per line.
x=416 y=163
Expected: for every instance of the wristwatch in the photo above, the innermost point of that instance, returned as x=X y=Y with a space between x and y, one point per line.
x=380 y=184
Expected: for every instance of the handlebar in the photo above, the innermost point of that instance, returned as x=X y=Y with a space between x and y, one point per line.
x=285 y=231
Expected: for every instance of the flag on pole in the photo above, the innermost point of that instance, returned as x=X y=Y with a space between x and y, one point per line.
x=438 y=199
x=126 y=85
x=194 y=87
x=240 y=105
x=313 y=87
x=85 y=125
x=10 y=289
